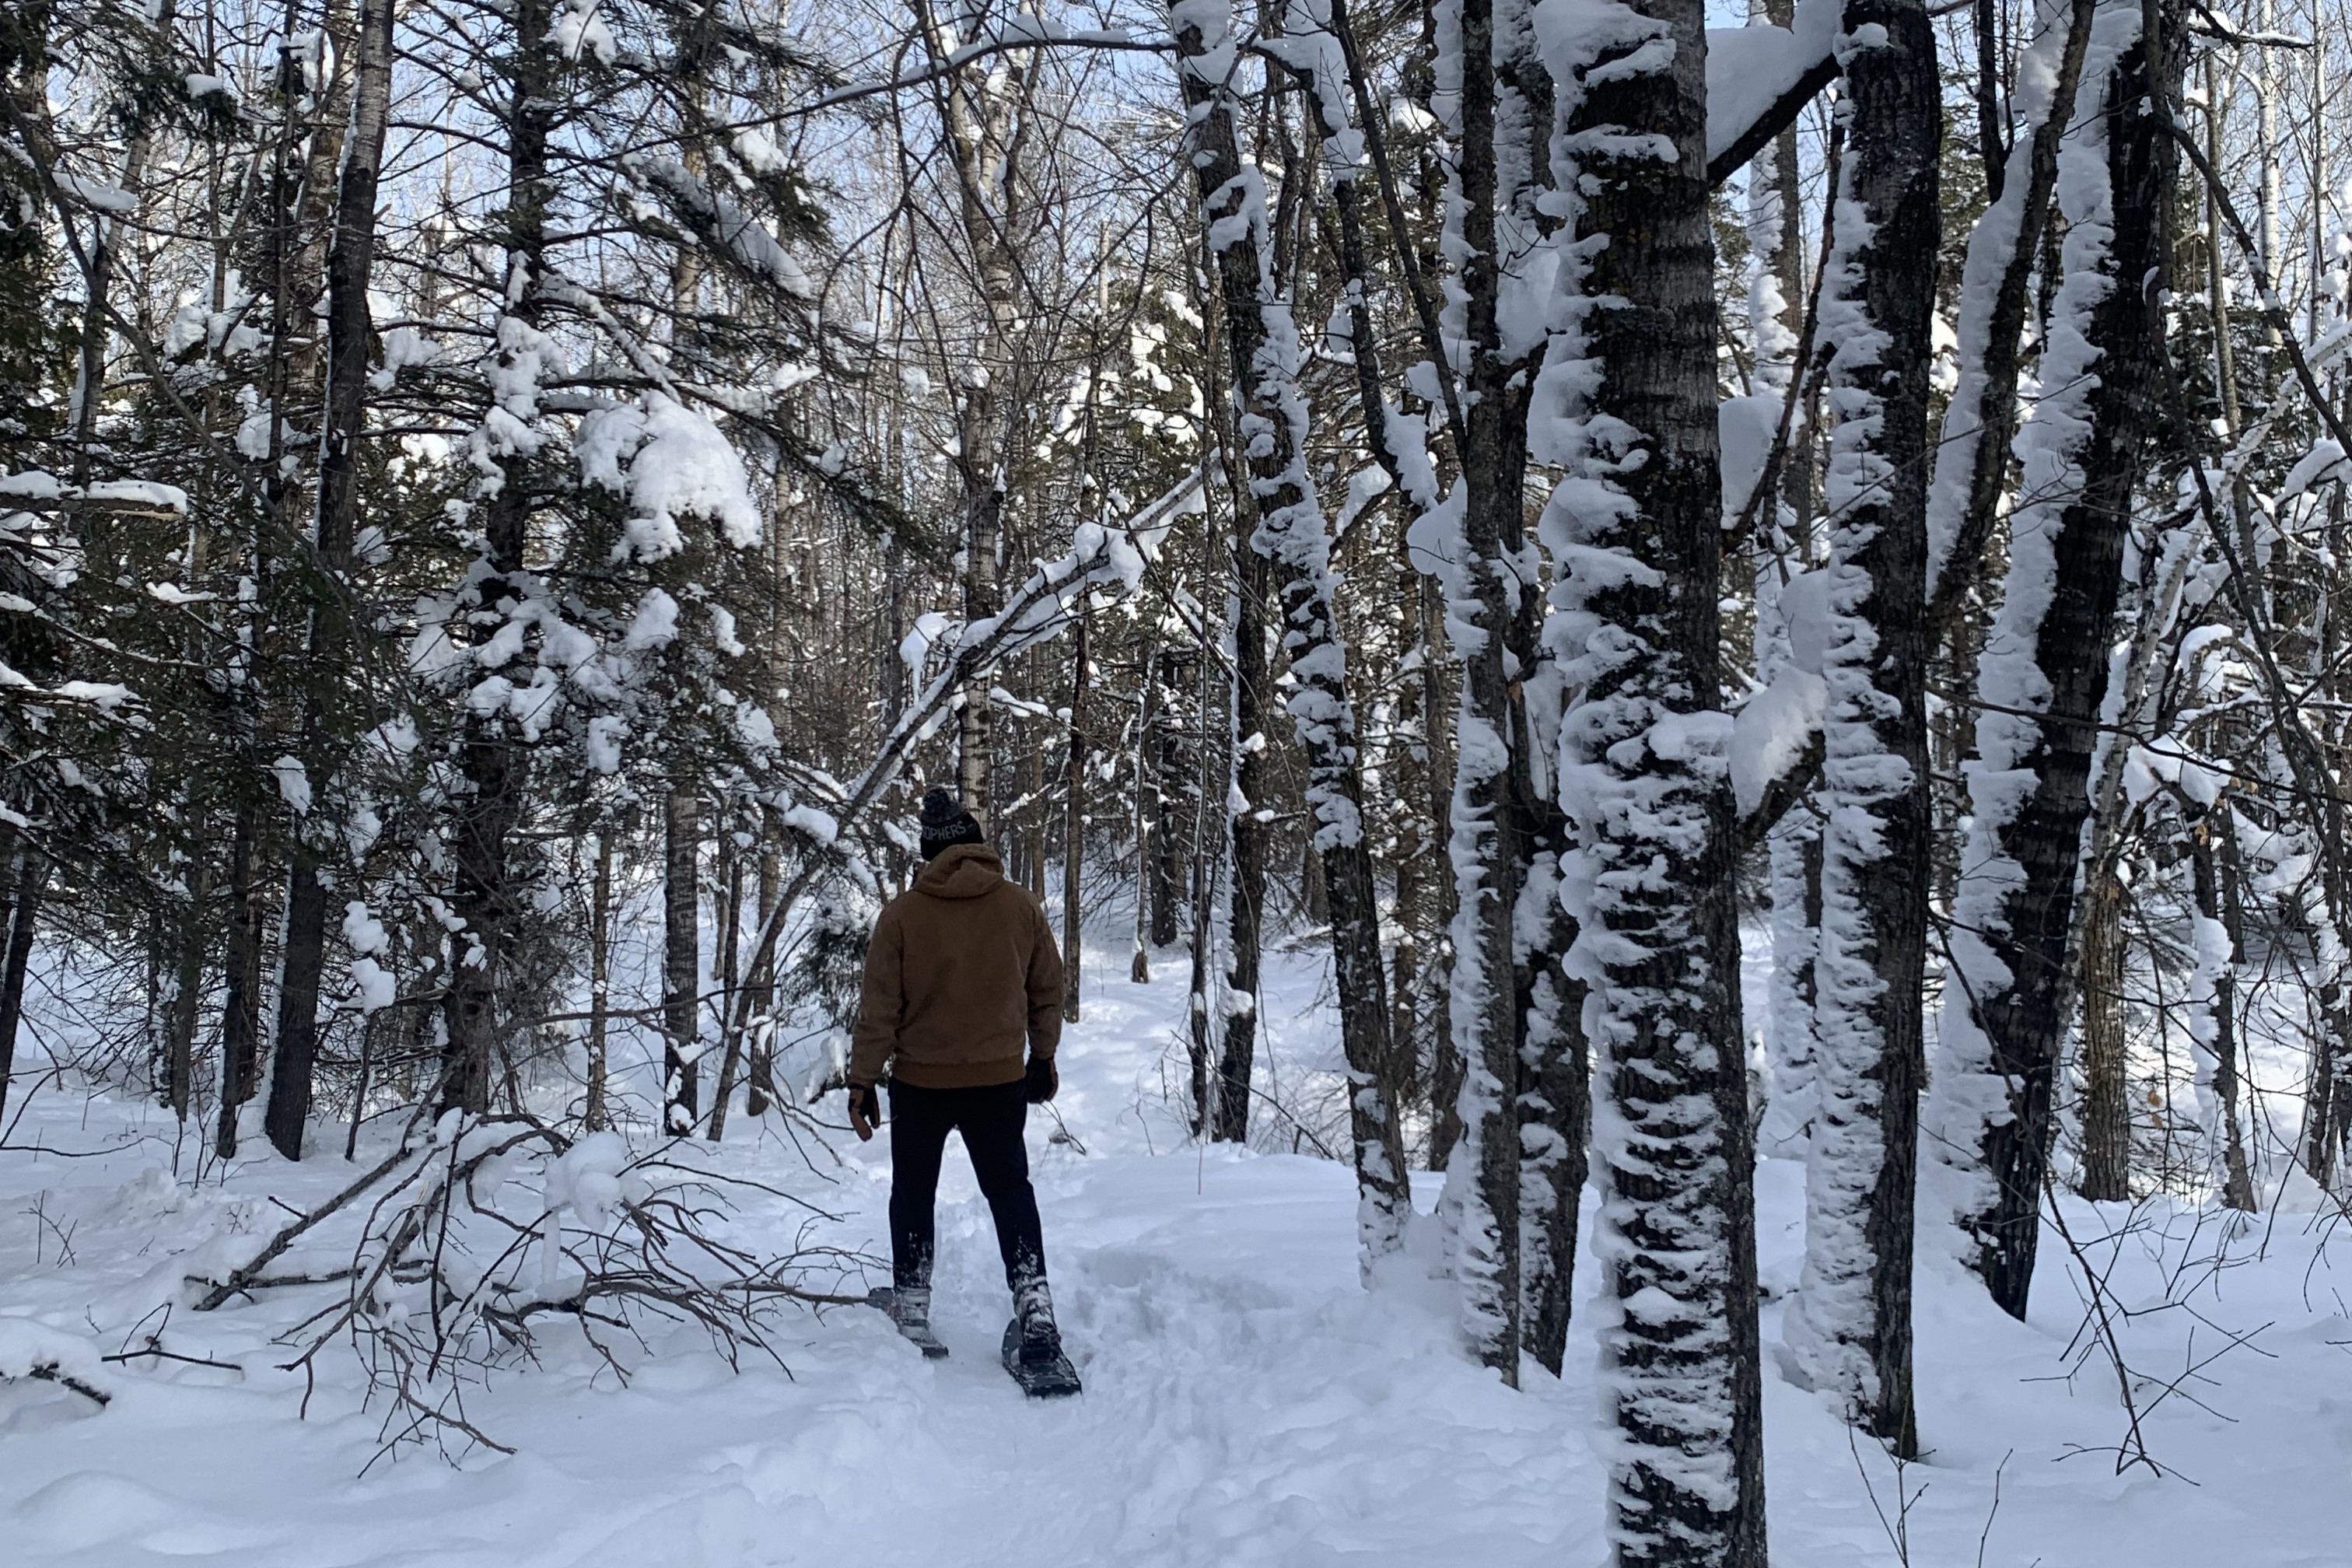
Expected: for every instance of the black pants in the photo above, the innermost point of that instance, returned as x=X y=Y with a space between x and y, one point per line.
x=991 y=1121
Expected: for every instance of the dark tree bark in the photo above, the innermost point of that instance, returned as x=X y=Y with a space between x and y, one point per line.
x=1170 y=782
x=595 y=1117
x=24 y=922
x=681 y=960
x=1285 y=529
x=2106 y=1104
x=241 y=1011
x=2022 y=1023
x=187 y=926
x=350 y=265
x=1139 y=963
x=1218 y=173
x=493 y=765
x=1653 y=816
x=1992 y=150
x=2237 y=1180
x=1870 y=972
x=759 y=1087
x=730 y=958
x=1074 y=822
x=1491 y=848
x=1973 y=458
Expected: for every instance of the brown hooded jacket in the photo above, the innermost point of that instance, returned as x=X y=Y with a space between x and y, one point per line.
x=962 y=972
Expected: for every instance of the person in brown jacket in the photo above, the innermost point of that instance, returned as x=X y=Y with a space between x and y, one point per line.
x=961 y=975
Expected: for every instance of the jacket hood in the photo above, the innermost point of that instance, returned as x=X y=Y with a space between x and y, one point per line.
x=964 y=871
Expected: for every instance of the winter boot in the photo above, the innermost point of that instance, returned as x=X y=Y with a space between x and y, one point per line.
x=1033 y=1309
x=911 y=1309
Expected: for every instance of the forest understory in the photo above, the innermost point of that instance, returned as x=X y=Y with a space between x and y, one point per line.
x=1247 y=1401
x=1674 y=673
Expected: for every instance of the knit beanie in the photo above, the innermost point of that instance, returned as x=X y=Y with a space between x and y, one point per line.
x=946 y=823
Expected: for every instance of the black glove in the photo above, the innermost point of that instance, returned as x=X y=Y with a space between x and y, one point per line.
x=1044 y=1080
x=865 y=1110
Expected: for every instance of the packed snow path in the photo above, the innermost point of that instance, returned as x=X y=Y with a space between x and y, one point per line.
x=1246 y=1403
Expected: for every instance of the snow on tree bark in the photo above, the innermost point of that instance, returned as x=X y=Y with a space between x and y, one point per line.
x=2044 y=672
x=1495 y=314
x=1972 y=456
x=1271 y=418
x=348 y=266
x=489 y=802
x=983 y=111
x=1775 y=249
x=1850 y=1329
x=1628 y=402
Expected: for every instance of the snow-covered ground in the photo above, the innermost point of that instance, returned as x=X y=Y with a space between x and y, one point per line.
x=1246 y=1402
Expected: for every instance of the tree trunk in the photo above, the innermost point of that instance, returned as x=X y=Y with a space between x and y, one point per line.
x=1850 y=1328
x=1496 y=176
x=595 y=1117
x=24 y=922
x=1973 y=456
x=350 y=266
x=493 y=764
x=188 y=982
x=2043 y=672
x=241 y=1012
x=1291 y=536
x=760 y=1089
x=1212 y=857
x=983 y=111
x=1652 y=879
x=1074 y=820
x=1445 y=1070
x=2106 y=1103
x=1169 y=779
x=2221 y=945
x=1139 y=963
x=302 y=960
x=681 y=960
x=730 y=944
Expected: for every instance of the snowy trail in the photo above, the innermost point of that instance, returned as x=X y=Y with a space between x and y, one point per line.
x=1246 y=1403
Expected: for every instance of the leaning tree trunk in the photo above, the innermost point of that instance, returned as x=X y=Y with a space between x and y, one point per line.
x=1265 y=357
x=1850 y=1328
x=350 y=267
x=1973 y=454
x=2043 y=672
x=1630 y=400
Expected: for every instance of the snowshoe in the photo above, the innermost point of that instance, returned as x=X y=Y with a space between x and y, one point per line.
x=1049 y=1377
x=917 y=1331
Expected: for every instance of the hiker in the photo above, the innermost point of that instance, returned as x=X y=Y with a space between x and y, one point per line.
x=960 y=976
